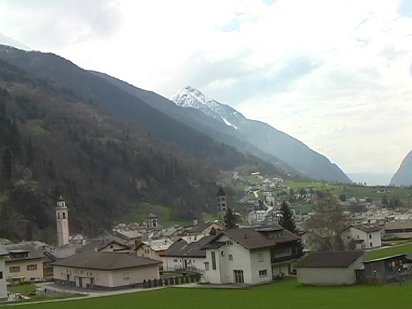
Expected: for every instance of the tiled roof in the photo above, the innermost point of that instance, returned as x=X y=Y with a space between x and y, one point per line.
x=251 y=238
x=105 y=261
x=329 y=259
x=33 y=252
x=3 y=251
x=193 y=249
x=398 y=225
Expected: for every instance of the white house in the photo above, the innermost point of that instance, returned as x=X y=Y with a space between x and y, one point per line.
x=154 y=249
x=105 y=270
x=362 y=237
x=330 y=268
x=250 y=256
x=3 y=284
x=24 y=263
x=185 y=255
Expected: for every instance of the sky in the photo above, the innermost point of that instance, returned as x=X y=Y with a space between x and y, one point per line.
x=337 y=75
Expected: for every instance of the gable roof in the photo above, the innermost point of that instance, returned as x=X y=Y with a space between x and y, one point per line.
x=365 y=228
x=329 y=259
x=32 y=251
x=221 y=192
x=194 y=249
x=105 y=261
x=264 y=237
x=3 y=251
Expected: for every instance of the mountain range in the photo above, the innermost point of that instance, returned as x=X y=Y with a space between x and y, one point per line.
x=108 y=145
x=403 y=176
x=263 y=138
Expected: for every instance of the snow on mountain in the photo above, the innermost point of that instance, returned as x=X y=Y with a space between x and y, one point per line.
x=5 y=40
x=190 y=97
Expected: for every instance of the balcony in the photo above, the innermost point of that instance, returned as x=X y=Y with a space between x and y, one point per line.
x=291 y=257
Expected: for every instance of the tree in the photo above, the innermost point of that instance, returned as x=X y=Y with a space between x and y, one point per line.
x=230 y=219
x=287 y=220
x=327 y=223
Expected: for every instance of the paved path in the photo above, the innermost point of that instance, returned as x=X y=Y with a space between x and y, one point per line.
x=86 y=294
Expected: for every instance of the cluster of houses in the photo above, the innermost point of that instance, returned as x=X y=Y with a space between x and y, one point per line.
x=132 y=254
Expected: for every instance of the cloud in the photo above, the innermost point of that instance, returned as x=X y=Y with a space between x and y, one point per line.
x=335 y=74
x=49 y=24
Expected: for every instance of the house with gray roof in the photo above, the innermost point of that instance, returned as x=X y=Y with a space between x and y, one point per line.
x=187 y=255
x=330 y=267
x=251 y=255
x=362 y=236
x=3 y=284
x=99 y=269
x=24 y=262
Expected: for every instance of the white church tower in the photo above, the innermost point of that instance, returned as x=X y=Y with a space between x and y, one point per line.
x=62 y=220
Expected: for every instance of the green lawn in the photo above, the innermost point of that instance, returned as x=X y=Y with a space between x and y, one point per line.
x=288 y=294
x=380 y=253
x=139 y=214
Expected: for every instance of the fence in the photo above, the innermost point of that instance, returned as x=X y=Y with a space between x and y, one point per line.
x=171 y=281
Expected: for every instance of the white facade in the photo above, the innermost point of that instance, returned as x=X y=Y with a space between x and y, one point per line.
x=62 y=222
x=26 y=270
x=106 y=278
x=329 y=276
x=172 y=263
x=233 y=263
x=3 y=283
x=362 y=239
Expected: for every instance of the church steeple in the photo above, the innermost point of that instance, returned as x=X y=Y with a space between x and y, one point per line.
x=62 y=221
x=221 y=203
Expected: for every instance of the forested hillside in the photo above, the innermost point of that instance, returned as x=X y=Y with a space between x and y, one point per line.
x=52 y=143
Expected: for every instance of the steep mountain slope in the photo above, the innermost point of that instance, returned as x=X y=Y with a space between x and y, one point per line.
x=66 y=76
x=198 y=120
x=403 y=176
x=52 y=142
x=264 y=137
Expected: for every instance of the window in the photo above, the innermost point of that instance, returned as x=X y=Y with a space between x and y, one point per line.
x=370 y=244
x=230 y=257
x=14 y=269
x=175 y=260
x=206 y=266
x=1 y=275
x=222 y=253
x=263 y=273
x=32 y=267
x=229 y=243
x=260 y=257
x=213 y=260
x=370 y=236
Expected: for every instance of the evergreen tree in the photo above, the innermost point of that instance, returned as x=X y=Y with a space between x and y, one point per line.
x=230 y=219
x=287 y=220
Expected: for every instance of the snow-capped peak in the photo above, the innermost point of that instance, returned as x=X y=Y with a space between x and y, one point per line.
x=193 y=98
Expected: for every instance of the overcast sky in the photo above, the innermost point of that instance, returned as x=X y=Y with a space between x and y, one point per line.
x=335 y=74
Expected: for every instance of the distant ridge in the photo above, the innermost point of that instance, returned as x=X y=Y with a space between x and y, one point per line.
x=403 y=176
x=263 y=137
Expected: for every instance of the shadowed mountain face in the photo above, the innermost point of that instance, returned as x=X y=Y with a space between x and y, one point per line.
x=403 y=177
x=64 y=75
x=263 y=137
x=53 y=143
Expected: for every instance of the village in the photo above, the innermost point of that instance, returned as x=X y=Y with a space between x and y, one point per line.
x=248 y=248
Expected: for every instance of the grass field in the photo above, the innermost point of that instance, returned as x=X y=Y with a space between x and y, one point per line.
x=287 y=294
x=139 y=214
x=380 y=253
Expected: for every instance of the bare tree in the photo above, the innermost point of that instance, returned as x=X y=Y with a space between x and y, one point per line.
x=327 y=223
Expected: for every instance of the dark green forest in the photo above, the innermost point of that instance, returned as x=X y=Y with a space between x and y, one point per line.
x=52 y=142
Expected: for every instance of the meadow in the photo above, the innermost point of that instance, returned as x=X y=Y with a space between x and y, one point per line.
x=285 y=294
